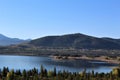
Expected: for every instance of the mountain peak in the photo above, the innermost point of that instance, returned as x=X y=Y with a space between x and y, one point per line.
x=76 y=40
x=3 y=37
x=6 y=41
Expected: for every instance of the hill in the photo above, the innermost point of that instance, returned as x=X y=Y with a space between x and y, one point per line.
x=76 y=41
x=6 y=41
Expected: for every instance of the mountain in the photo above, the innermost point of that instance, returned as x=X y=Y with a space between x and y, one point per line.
x=113 y=40
x=6 y=41
x=77 y=41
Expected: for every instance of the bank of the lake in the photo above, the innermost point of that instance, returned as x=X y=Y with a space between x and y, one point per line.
x=29 y=62
x=100 y=58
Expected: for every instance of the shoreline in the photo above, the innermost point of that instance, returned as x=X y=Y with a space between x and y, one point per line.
x=101 y=58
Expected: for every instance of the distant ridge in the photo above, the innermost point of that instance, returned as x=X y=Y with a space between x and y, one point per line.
x=77 y=41
x=6 y=41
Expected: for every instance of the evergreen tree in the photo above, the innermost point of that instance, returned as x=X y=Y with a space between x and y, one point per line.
x=54 y=72
x=5 y=71
x=24 y=73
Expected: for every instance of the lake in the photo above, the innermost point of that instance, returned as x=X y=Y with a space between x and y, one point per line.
x=29 y=62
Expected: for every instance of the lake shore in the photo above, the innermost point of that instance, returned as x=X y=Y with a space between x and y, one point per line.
x=101 y=58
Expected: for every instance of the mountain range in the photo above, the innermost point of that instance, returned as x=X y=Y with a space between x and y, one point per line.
x=77 y=41
x=6 y=41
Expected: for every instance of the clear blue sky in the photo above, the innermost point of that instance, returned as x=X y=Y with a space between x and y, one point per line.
x=36 y=18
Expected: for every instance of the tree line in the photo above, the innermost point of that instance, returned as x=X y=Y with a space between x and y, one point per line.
x=44 y=74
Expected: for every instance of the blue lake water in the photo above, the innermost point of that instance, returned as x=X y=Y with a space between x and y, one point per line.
x=29 y=62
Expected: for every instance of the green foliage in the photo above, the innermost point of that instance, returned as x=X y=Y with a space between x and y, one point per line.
x=50 y=73
x=5 y=71
x=43 y=71
x=116 y=72
x=10 y=75
x=24 y=74
x=33 y=74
